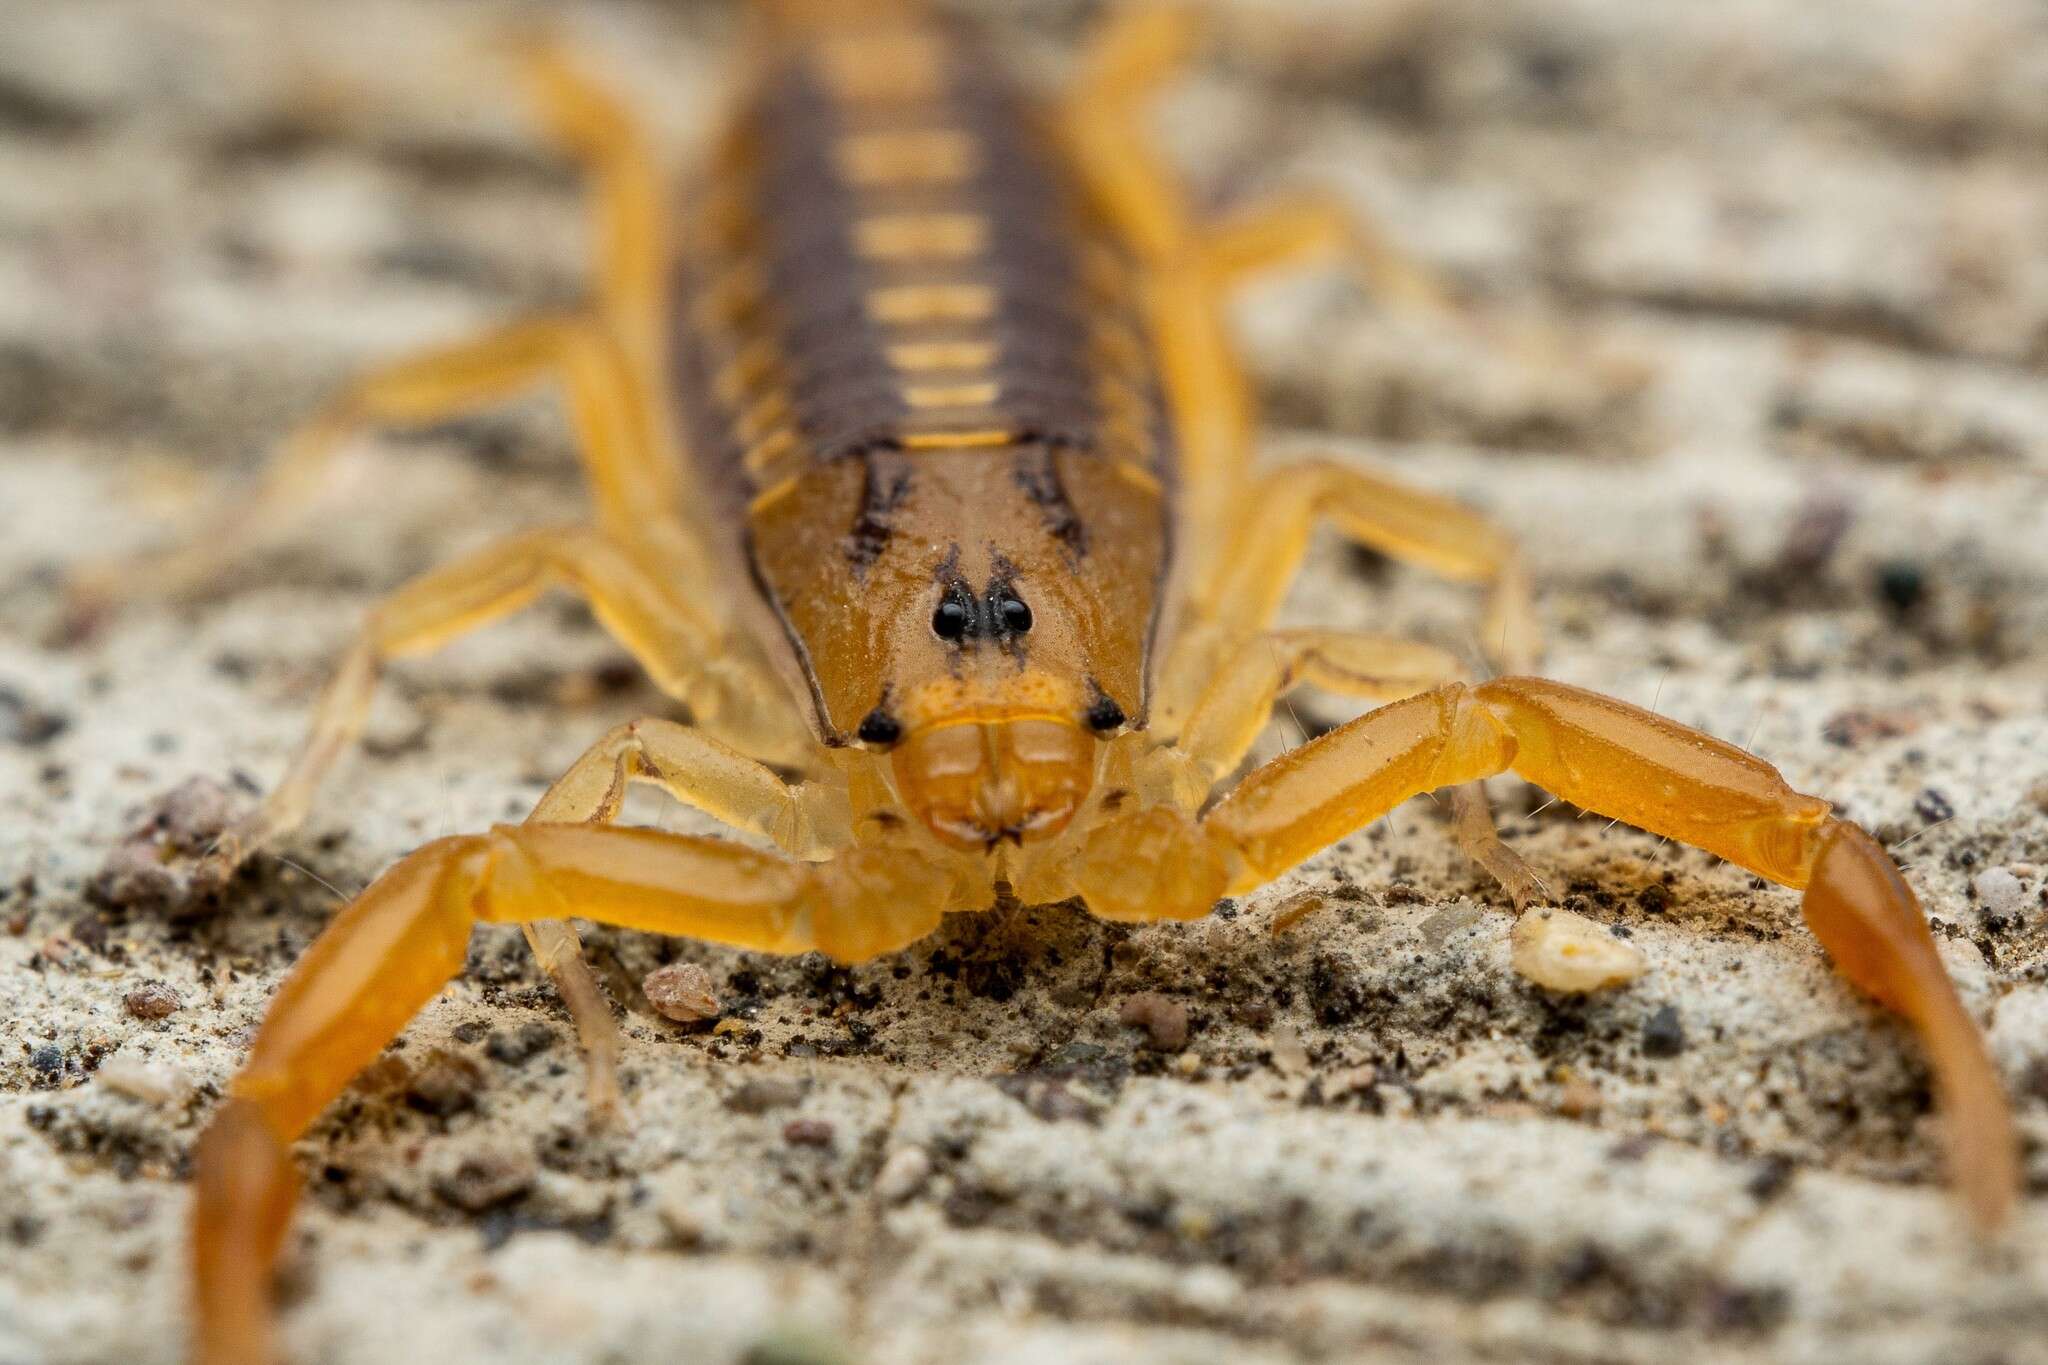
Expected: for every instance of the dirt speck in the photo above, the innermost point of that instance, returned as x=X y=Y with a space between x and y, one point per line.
x=517 y=1046
x=447 y=1084
x=484 y=1180
x=151 y=1000
x=1933 y=807
x=808 y=1132
x=154 y=868
x=763 y=1094
x=904 y=1172
x=1165 y=1021
x=159 y=1084
x=682 y=991
x=1663 y=1033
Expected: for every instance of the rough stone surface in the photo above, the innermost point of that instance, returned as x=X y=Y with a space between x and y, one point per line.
x=1817 y=531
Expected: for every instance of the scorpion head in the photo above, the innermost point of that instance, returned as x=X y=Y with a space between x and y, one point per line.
x=971 y=629
x=993 y=731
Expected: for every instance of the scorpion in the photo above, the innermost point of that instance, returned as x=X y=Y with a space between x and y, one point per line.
x=966 y=581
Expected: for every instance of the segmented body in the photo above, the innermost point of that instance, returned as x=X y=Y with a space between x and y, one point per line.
x=898 y=315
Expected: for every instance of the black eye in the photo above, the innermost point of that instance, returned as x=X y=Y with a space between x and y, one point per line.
x=1014 y=615
x=1105 y=716
x=879 y=727
x=952 y=620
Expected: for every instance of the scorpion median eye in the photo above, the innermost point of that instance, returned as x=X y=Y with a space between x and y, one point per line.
x=952 y=620
x=1014 y=615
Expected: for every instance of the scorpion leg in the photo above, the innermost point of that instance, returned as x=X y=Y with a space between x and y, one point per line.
x=1621 y=761
x=1137 y=52
x=638 y=608
x=1304 y=227
x=1215 y=408
x=608 y=366
x=394 y=947
x=804 y=821
x=628 y=204
x=698 y=771
x=1241 y=698
x=423 y=615
x=1260 y=562
x=625 y=468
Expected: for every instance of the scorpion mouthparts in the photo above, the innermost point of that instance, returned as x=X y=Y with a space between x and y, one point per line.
x=978 y=784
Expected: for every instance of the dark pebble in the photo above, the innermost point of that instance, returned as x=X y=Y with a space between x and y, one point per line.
x=1933 y=807
x=1770 y=1178
x=520 y=1045
x=1663 y=1035
x=1901 y=584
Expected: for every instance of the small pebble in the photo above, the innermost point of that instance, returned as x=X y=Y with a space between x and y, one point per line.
x=2000 y=891
x=1165 y=1021
x=1563 y=951
x=1578 y=1098
x=807 y=1133
x=484 y=1180
x=1663 y=1035
x=520 y=1045
x=903 y=1174
x=446 y=1085
x=151 y=1000
x=764 y=1093
x=1452 y=919
x=1294 y=910
x=682 y=991
x=1290 y=1055
x=1350 y=1080
x=152 y=1083
x=154 y=869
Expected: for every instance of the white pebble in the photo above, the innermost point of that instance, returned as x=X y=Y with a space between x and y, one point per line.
x=154 y=1083
x=2000 y=891
x=903 y=1174
x=1562 y=951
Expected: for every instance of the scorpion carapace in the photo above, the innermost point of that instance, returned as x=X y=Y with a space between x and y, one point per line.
x=916 y=373
x=968 y=578
x=915 y=370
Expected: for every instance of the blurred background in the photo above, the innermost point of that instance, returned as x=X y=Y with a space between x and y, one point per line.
x=1786 y=483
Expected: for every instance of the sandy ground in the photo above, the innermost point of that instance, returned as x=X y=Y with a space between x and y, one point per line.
x=1818 y=530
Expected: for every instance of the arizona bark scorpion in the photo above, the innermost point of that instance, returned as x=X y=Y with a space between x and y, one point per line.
x=970 y=537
